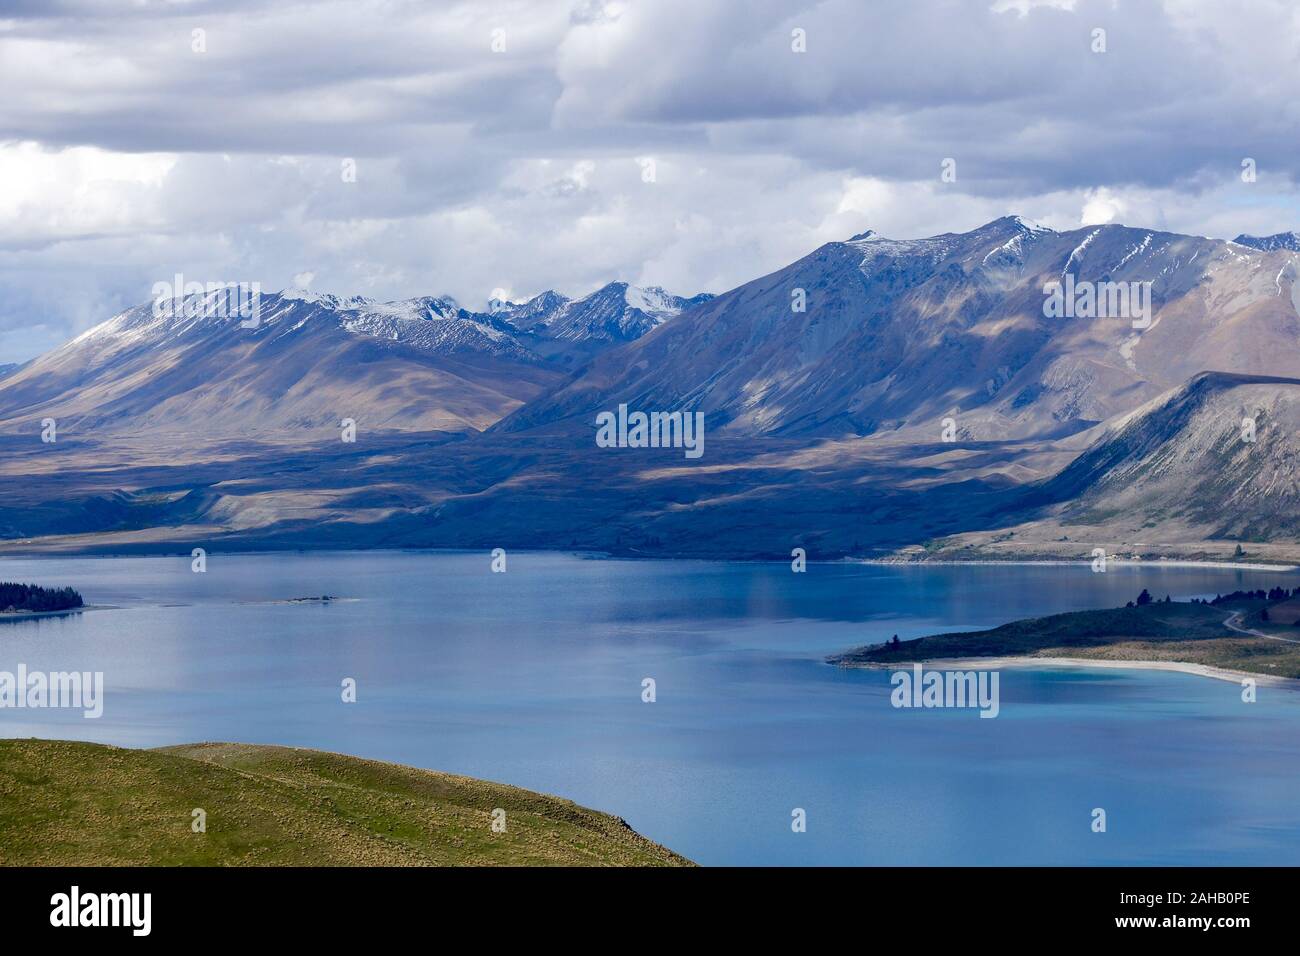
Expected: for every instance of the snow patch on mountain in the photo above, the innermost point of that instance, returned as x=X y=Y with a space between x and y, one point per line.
x=325 y=300
x=1079 y=250
x=616 y=312
x=651 y=300
x=1137 y=250
x=876 y=249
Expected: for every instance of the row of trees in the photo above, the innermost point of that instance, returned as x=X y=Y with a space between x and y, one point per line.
x=1273 y=594
x=32 y=597
x=1145 y=598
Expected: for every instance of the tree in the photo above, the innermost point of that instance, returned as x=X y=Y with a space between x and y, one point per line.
x=31 y=597
x=1144 y=598
x=1239 y=552
x=1263 y=614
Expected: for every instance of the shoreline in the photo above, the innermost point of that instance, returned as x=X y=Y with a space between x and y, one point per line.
x=1083 y=663
x=1058 y=562
x=597 y=555
x=6 y=616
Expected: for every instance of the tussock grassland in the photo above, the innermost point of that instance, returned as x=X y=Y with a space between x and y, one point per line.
x=71 y=803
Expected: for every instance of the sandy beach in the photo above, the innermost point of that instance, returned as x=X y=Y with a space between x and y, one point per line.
x=1051 y=663
x=1055 y=562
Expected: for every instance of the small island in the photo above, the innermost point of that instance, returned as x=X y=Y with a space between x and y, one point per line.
x=1245 y=632
x=33 y=599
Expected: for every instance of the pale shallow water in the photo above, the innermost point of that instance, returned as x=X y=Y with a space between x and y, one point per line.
x=533 y=677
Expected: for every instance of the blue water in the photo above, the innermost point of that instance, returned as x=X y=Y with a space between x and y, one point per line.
x=533 y=677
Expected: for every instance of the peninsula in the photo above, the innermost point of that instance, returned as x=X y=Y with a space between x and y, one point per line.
x=1245 y=632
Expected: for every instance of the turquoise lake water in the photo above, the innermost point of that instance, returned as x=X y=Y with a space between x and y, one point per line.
x=534 y=678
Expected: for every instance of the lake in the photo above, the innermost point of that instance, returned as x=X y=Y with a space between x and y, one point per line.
x=534 y=677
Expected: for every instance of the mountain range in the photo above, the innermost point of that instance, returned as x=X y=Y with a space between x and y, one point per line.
x=312 y=360
x=878 y=397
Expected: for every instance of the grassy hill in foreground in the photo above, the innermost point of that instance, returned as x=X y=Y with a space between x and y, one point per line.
x=1235 y=634
x=71 y=803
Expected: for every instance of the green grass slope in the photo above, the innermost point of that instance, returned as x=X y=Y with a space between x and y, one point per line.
x=71 y=803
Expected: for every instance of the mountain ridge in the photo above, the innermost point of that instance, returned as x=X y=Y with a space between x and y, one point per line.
x=1279 y=240
x=915 y=329
x=875 y=397
x=308 y=361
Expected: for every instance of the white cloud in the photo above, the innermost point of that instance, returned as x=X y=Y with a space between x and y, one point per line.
x=1101 y=207
x=50 y=195
x=125 y=157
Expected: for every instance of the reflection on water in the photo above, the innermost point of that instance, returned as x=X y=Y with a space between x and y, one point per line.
x=533 y=677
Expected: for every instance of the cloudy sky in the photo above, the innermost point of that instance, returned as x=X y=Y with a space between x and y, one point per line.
x=566 y=143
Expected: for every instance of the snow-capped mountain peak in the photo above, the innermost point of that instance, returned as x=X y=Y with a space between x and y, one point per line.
x=1030 y=225
x=1279 y=240
x=652 y=300
x=324 y=299
x=300 y=359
